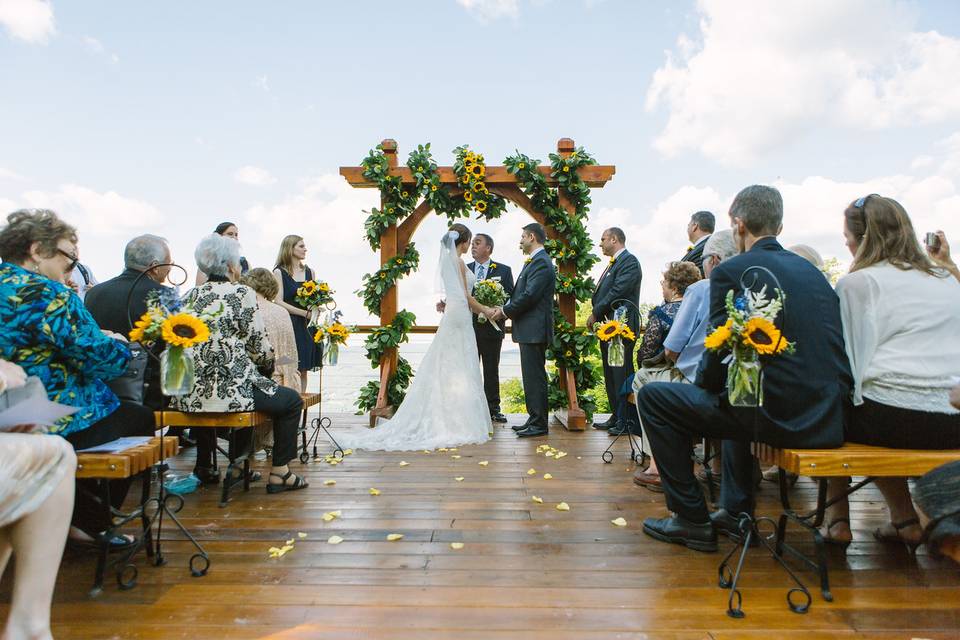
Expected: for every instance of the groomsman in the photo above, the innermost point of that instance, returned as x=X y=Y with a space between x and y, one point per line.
x=489 y=340
x=618 y=287
x=701 y=225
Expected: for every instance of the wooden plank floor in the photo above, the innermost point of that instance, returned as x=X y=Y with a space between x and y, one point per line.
x=526 y=570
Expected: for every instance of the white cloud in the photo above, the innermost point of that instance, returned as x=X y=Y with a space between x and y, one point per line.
x=100 y=213
x=760 y=74
x=28 y=20
x=486 y=10
x=96 y=47
x=254 y=176
x=262 y=83
x=7 y=174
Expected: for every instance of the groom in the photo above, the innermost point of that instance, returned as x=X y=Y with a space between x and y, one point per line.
x=489 y=340
x=531 y=310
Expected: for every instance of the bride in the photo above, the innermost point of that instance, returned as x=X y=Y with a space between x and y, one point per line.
x=445 y=405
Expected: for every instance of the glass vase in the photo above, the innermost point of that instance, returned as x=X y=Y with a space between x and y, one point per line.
x=333 y=354
x=615 y=352
x=744 y=382
x=176 y=371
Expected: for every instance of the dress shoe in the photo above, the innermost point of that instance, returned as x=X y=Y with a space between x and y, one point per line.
x=603 y=426
x=519 y=427
x=727 y=524
x=499 y=418
x=649 y=480
x=533 y=431
x=699 y=537
x=622 y=428
x=207 y=475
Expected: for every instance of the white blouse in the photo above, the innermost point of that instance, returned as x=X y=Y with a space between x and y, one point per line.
x=902 y=335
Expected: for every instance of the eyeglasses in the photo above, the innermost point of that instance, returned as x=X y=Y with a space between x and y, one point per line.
x=72 y=258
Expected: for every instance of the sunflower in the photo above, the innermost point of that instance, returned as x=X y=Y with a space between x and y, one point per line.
x=627 y=333
x=307 y=289
x=763 y=336
x=140 y=327
x=468 y=196
x=477 y=170
x=479 y=187
x=433 y=187
x=481 y=206
x=720 y=335
x=318 y=336
x=566 y=169
x=184 y=330
x=323 y=286
x=465 y=179
x=568 y=353
x=608 y=330
x=521 y=165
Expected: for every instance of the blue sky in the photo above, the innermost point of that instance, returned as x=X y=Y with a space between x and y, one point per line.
x=170 y=117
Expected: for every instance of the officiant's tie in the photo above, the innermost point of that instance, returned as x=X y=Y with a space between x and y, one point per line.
x=481 y=272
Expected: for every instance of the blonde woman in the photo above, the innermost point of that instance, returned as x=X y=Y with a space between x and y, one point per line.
x=290 y=272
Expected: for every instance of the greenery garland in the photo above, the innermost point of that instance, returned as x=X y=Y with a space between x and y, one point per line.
x=392 y=335
x=376 y=285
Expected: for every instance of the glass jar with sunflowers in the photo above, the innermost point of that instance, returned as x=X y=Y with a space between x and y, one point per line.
x=331 y=334
x=614 y=332
x=749 y=332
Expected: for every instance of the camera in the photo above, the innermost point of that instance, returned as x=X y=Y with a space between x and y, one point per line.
x=932 y=241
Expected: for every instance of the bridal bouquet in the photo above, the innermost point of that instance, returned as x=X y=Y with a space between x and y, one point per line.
x=331 y=333
x=313 y=294
x=614 y=332
x=749 y=332
x=181 y=327
x=489 y=293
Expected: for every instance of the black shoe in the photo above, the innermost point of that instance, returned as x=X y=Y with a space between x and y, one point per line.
x=207 y=475
x=618 y=430
x=499 y=418
x=533 y=431
x=603 y=426
x=729 y=526
x=519 y=427
x=699 y=537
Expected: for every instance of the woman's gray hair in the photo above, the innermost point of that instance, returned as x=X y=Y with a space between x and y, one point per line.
x=808 y=253
x=720 y=244
x=216 y=253
x=144 y=252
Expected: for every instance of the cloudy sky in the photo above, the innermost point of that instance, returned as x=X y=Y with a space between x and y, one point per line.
x=169 y=117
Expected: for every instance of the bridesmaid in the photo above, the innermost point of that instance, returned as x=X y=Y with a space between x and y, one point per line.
x=291 y=272
x=227 y=230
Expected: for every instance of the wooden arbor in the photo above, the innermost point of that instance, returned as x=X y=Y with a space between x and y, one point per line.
x=498 y=180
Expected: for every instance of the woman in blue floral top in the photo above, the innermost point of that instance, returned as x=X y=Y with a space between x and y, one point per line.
x=48 y=332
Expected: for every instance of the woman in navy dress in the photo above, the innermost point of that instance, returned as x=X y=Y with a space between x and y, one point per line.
x=291 y=272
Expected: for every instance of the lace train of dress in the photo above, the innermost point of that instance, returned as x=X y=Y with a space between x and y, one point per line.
x=445 y=405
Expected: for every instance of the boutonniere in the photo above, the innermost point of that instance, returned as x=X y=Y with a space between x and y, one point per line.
x=612 y=260
x=528 y=261
x=689 y=248
x=493 y=265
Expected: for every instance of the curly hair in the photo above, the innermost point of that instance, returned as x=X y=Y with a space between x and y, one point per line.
x=27 y=227
x=680 y=275
x=262 y=281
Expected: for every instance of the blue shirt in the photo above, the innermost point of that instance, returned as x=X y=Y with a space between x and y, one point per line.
x=690 y=328
x=47 y=331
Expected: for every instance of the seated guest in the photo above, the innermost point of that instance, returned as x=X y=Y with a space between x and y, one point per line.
x=81 y=280
x=36 y=498
x=808 y=253
x=676 y=279
x=228 y=378
x=901 y=319
x=107 y=302
x=937 y=495
x=48 y=332
x=227 y=230
x=805 y=393
x=683 y=346
x=701 y=225
x=939 y=252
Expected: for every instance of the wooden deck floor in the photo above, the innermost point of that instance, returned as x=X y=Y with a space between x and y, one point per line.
x=526 y=570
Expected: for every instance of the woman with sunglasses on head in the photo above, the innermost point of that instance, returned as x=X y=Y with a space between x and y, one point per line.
x=51 y=335
x=901 y=319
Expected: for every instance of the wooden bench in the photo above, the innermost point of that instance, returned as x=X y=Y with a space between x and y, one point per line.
x=232 y=421
x=822 y=464
x=129 y=463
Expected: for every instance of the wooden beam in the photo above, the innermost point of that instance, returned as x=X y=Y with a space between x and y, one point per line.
x=594 y=176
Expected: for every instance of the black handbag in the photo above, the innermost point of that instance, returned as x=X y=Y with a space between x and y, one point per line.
x=130 y=384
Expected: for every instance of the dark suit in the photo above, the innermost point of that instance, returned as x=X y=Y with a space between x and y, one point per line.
x=489 y=340
x=619 y=281
x=107 y=303
x=695 y=254
x=806 y=394
x=531 y=310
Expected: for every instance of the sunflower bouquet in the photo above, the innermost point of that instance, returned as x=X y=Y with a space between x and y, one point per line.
x=313 y=294
x=181 y=327
x=489 y=293
x=749 y=332
x=331 y=334
x=614 y=332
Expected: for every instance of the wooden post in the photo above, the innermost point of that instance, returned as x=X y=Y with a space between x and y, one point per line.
x=573 y=418
x=388 y=305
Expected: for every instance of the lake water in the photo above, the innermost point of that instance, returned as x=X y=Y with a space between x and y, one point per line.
x=342 y=383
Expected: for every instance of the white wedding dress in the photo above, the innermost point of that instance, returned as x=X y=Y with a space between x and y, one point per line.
x=445 y=405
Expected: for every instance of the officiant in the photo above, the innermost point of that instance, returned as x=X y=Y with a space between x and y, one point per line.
x=489 y=340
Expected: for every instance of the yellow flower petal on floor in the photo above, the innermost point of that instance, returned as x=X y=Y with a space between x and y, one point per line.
x=483 y=463
x=443 y=449
x=404 y=463
x=456 y=546
x=456 y=457
x=620 y=522
x=459 y=478
x=329 y=483
x=563 y=506
x=301 y=535
x=393 y=537
x=537 y=500
x=348 y=452
x=334 y=540
x=549 y=454
x=290 y=541
x=547 y=476
x=560 y=454
x=531 y=471
x=427 y=451
x=374 y=492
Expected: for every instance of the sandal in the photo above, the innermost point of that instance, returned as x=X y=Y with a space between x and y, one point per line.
x=828 y=539
x=278 y=487
x=880 y=536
